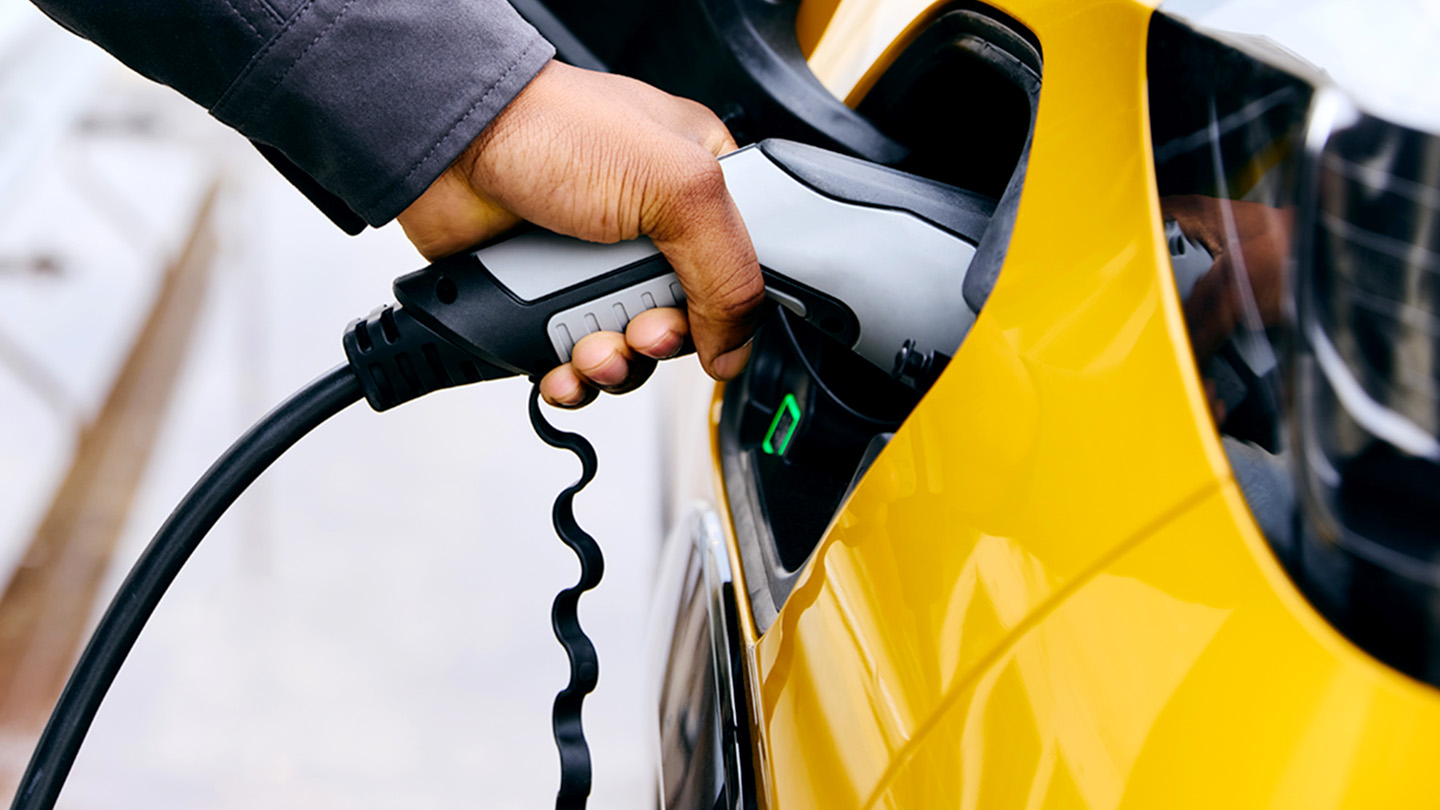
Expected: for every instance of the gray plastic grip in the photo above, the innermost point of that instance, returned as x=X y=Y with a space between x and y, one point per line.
x=1188 y=259
x=611 y=313
x=901 y=276
x=538 y=263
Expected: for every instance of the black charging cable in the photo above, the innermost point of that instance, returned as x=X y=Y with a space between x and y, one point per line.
x=564 y=616
x=393 y=358
x=113 y=638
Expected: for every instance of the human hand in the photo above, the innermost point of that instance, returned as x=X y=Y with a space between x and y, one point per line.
x=607 y=158
x=1249 y=268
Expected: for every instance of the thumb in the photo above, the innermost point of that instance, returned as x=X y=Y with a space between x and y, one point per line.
x=699 y=230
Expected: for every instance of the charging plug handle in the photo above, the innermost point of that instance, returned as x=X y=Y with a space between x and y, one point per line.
x=872 y=257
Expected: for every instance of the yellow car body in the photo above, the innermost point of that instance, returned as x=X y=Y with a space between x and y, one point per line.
x=1048 y=590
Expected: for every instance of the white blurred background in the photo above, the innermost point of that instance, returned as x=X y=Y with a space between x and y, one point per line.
x=369 y=626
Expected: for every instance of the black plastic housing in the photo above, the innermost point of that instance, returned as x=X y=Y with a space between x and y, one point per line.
x=461 y=300
x=397 y=358
x=741 y=58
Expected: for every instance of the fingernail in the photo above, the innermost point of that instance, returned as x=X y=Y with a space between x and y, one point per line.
x=571 y=398
x=729 y=365
x=608 y=372
x=658 y=350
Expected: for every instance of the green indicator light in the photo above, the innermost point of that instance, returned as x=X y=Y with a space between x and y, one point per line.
x=782 y=427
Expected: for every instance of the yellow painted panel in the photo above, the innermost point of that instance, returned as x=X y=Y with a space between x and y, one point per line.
x=1179 y=677
x=1047 y=592
x=860 y=35
x=1067 y=427
x=811 y=21
x=848 y=43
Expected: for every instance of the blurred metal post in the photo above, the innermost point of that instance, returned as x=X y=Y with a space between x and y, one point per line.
x=45 y=609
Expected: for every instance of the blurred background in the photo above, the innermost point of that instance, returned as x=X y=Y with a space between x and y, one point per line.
x=369 y=625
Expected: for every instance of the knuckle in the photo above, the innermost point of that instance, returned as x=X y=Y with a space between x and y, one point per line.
x=700 y=111
x=705 y=122
x=736 y=296
x=699 y=179
x=685 y=193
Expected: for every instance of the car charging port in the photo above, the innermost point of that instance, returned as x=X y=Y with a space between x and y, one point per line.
x=801 y=426
x=805 y=417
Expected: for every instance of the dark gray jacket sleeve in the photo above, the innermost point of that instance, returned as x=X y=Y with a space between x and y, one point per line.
x=370 y=98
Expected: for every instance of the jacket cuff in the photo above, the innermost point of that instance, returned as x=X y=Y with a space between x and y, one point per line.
x=375 y=98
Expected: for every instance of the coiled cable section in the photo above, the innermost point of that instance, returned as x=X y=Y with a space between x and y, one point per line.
x=564 y=616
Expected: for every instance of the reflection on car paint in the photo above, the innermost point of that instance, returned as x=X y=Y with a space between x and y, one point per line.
x=1315 y=329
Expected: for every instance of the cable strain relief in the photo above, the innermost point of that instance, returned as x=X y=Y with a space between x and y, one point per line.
x=397 y=358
